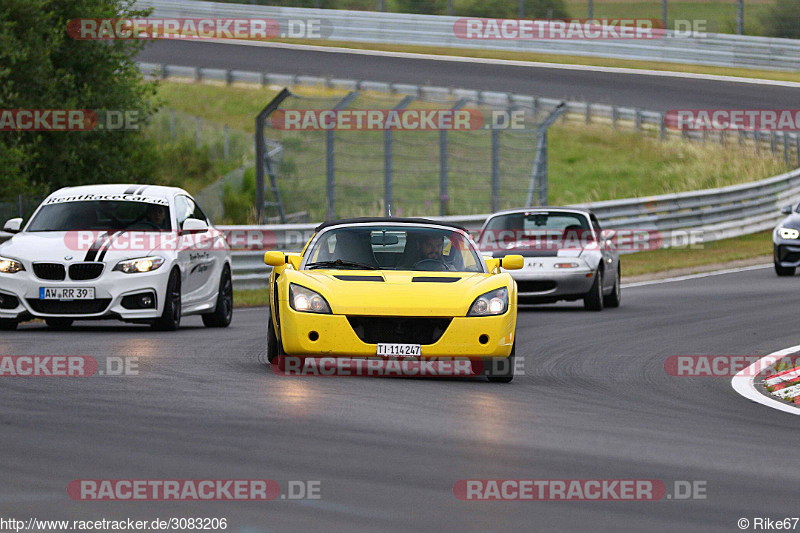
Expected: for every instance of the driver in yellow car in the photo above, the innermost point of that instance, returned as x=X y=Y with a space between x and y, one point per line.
x=430 y=247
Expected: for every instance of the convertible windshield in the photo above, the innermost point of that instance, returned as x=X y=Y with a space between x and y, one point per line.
x=102 y=215
x=394 y=248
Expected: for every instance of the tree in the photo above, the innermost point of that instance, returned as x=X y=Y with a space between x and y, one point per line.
x=783 y=19
x=44 y=68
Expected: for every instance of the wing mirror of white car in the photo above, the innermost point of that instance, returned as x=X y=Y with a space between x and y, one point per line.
x=193 y=225
x=785 y=210
x=13 y=225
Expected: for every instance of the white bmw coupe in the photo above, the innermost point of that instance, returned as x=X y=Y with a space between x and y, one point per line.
x=135 y=253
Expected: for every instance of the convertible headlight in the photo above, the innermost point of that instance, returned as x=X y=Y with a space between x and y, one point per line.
x=306 y=300
x=10 y=266
x=135 y=266
x=788 y=233
x=492 y=303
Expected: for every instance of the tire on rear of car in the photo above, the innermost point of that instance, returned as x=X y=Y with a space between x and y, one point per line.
x=223 y=312
x=593 y=300
x=170 y=319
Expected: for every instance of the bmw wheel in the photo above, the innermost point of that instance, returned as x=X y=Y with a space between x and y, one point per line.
x=171 y=316
x=223 y=313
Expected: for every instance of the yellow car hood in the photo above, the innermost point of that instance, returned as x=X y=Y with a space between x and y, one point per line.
x=403 y=293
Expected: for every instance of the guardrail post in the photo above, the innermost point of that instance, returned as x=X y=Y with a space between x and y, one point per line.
x=228 y=76
x=164 y=72
x=198 y=74
x=773 y=142
x=614 y=116
x=387 y=160
x=226 y=149
x=662 y=127
x=588 y=112
x=638 y=120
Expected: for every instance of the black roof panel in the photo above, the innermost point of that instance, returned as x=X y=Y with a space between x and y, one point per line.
x=386 y=220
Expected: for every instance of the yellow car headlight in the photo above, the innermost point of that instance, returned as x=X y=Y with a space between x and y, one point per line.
x=307 y=301
x=492 y=303
x=10 y=266
x=788 y=233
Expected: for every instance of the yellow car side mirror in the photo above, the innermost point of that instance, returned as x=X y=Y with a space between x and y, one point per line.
x=294 y=260
x=275 y=258
x=512 y=262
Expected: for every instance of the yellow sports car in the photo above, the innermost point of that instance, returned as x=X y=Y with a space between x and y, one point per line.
x=393 y=288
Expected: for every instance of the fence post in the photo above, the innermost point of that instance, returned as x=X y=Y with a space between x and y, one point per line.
x=261 y=153
x=388 y=189
x=330 y=160
x=614 y=116
x=539 y=174
x=773 y=142
x=662 y=127
x=588 y=111
x=637 y=120
x=495 y=168
x=444 y=182
x=785 y=136
x=227 y=146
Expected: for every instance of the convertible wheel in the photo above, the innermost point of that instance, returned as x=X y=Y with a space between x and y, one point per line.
x=501 y=370
x=613 y=299
x=59 y=324
x=275 y=351
x=223 y=313
x=7 y=324
x=784 y=271
x=593 y=301
x=171 y=316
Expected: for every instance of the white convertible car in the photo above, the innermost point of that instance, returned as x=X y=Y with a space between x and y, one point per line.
x=136 y=253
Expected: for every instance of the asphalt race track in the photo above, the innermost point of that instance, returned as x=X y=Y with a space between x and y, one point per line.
x=594 y=403
x=657 y=93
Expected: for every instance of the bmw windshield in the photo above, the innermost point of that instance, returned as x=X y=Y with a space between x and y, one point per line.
x=102 y=215
x=394 y=248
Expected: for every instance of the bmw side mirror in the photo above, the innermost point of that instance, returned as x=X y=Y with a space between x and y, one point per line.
x=193 y=225
x=13 y=225
x=786 y=210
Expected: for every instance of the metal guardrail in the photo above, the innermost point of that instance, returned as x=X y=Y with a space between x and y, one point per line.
x=715 y=214
x=434 y=30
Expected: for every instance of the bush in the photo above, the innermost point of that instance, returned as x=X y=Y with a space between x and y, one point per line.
x=783 y=19
x=510 y=9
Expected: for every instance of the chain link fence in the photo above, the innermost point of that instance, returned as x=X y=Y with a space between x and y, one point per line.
x=366 y=170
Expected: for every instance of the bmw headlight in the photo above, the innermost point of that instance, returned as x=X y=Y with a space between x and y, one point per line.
x=10 y=266
x=306 y=300
x=788 y=233
x=136 y=266
x=492 y=303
